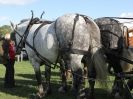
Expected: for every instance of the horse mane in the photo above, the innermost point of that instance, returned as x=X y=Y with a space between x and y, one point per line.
x=35 y=21
x=24 y=20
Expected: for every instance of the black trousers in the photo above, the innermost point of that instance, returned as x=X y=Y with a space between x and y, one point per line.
x=9 y=81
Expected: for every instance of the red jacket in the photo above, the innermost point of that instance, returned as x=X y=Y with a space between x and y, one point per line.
x=11 y=51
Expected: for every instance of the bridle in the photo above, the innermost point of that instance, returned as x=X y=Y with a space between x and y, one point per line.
x=19 y=45
x=23 y=37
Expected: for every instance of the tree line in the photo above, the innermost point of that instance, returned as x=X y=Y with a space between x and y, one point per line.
x=5 y=29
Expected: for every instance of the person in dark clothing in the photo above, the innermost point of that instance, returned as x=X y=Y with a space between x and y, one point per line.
x=9 y=60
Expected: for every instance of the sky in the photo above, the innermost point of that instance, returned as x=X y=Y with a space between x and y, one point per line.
x=16 y=10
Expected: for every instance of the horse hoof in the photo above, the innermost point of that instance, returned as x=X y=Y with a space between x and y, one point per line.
x=62 y=90
x=35 y=96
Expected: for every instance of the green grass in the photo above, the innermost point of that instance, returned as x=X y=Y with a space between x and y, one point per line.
x=26 y=84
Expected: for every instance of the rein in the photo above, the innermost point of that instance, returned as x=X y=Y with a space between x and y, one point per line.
x=24 y=36
x=118 y=56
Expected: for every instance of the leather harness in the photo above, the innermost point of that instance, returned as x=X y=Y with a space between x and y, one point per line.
x=44 y=59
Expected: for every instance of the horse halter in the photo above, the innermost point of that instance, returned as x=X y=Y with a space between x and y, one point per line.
x=13 y=37
x=23 y=37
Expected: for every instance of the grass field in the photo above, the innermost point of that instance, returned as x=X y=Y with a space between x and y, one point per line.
x=26 y=84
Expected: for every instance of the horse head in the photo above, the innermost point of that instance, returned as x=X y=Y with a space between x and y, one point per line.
x=18 y=34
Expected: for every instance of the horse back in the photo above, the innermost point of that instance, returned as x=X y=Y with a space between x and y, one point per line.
x=73 y=28
x=111 y=32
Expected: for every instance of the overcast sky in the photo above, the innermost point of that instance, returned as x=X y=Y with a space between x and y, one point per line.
x=15 y=10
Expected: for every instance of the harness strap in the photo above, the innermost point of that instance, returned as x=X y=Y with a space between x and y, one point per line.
x=71 y=41
x=36 y=31
x=126 y=36
x=74 y=25
x=120 y=39
x=69 y=48
x=62 y=50
x=45 y=60
x=24 y=37
x=118 y=56
x=75 y=51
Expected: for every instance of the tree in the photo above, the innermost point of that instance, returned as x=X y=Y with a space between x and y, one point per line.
x=5 y=29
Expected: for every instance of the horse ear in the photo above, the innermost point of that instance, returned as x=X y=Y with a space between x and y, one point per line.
x=12 y=25
x=42 y=14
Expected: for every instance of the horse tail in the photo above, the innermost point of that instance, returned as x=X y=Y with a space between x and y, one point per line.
x=97 y=59
x=100 y=65
x=97 y=55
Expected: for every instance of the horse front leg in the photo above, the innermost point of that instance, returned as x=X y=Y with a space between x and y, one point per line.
x=91 y=94
x=39 y=81
x=63 y=87
x=47 y=77
x=65 y=74
x=91 y=77
x=77 y=82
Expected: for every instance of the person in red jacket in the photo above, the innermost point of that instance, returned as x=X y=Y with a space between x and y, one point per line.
x=9 y=57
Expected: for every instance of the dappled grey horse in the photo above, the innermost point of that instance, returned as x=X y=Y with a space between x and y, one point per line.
x=69 y=38
x=113 y=38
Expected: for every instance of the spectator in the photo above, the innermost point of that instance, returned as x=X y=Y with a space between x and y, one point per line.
x=9 y=57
